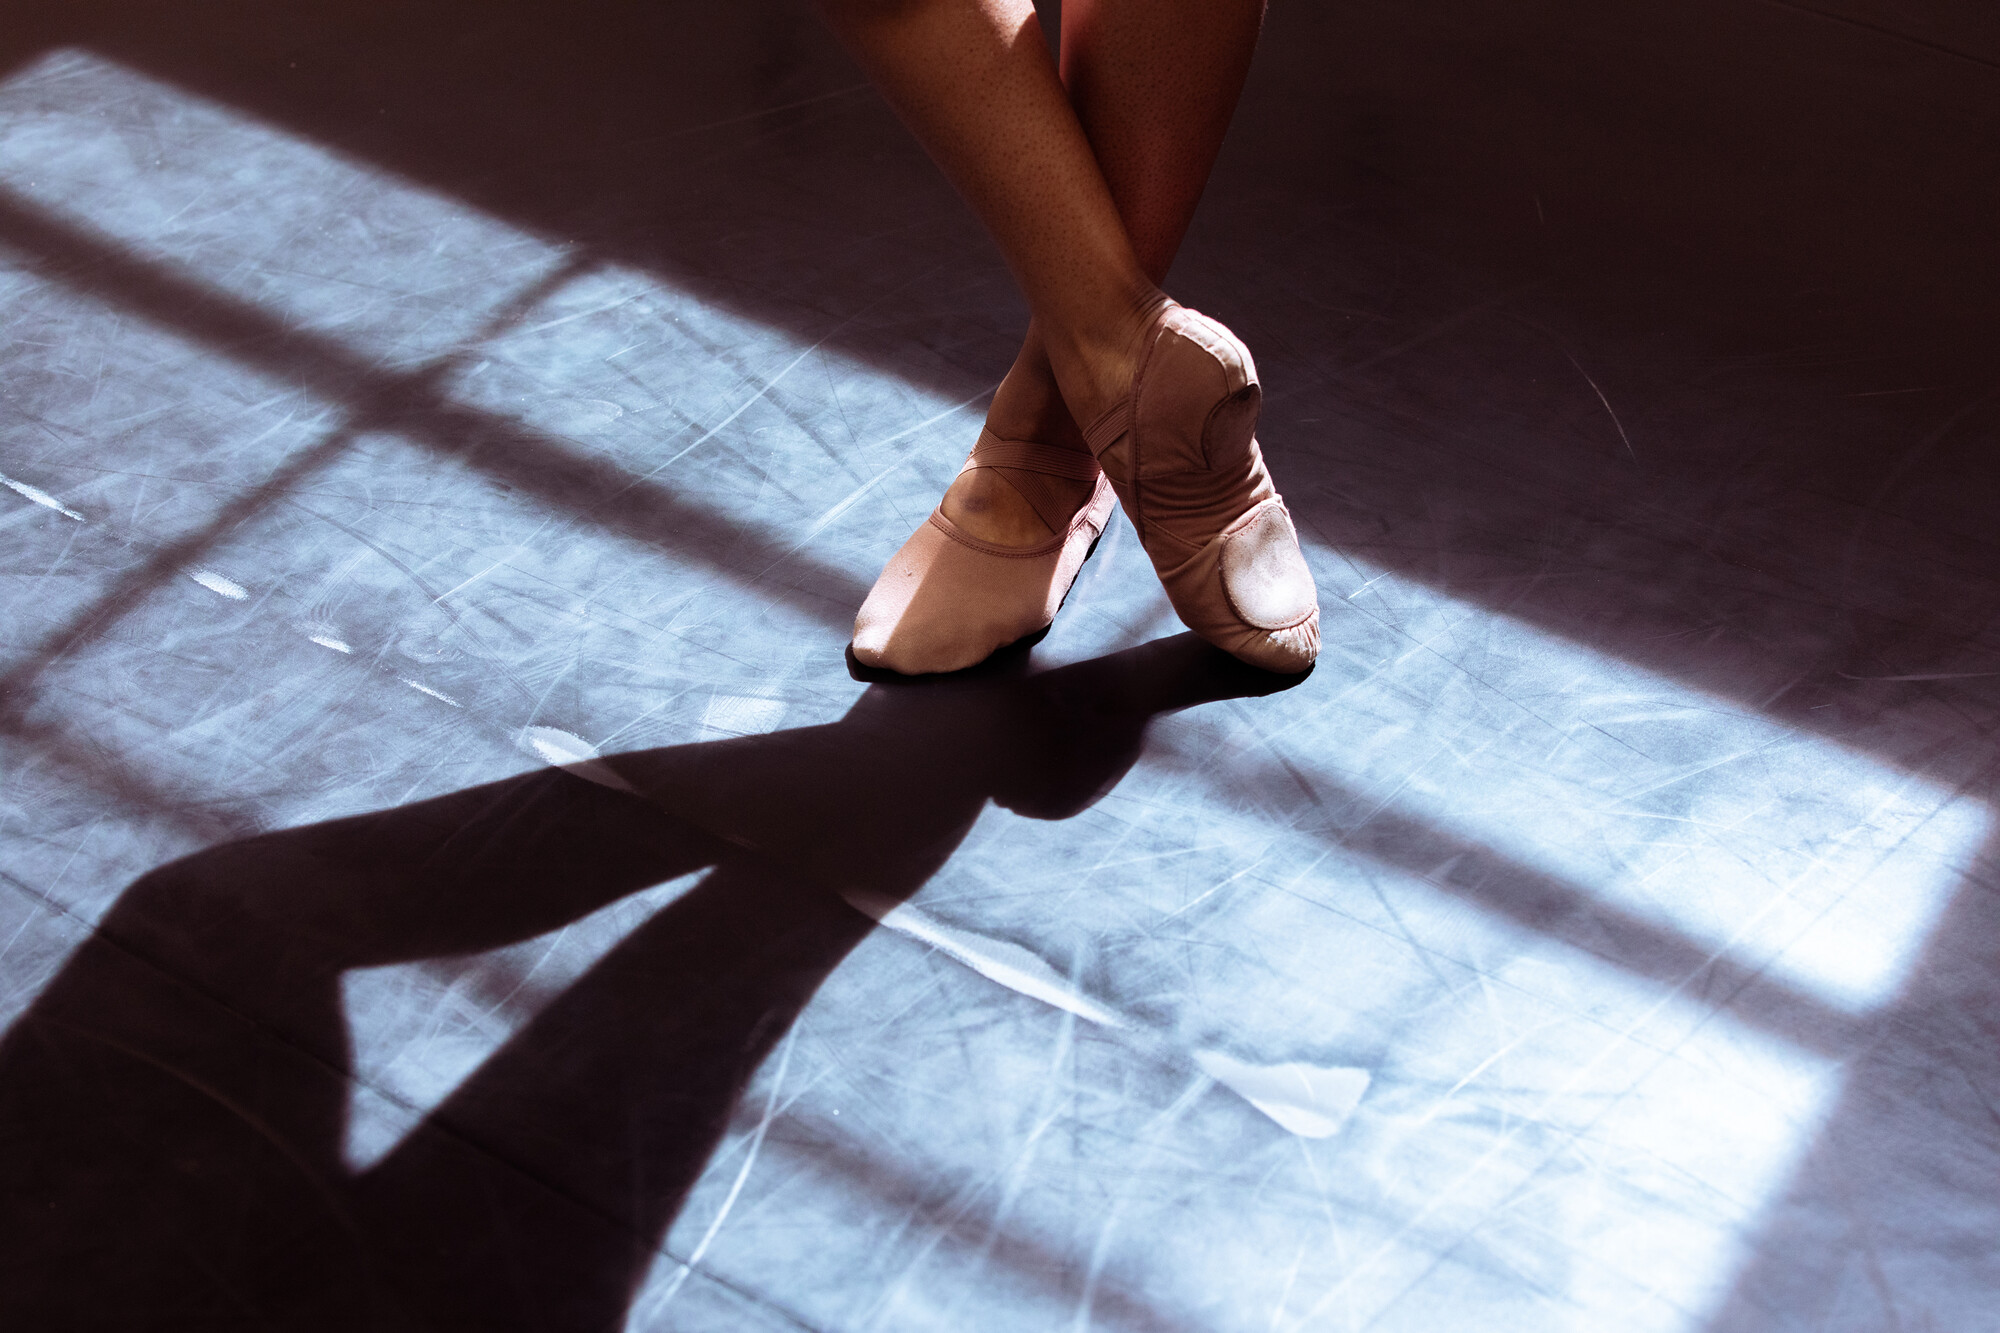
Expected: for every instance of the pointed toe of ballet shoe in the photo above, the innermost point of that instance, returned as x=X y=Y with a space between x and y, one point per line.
x=902 y=627
x=893 y=650
x=947 y=601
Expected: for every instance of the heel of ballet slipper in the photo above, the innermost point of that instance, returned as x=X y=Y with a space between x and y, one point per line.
x=1213 y=337
x=1195 y=403
x=1196 y=387
x=1230 y=434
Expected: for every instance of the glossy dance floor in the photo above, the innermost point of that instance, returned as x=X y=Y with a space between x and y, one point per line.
x=450 y=880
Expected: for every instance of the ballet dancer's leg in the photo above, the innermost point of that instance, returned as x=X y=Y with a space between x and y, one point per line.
x=973 y=80
x=1154 y=84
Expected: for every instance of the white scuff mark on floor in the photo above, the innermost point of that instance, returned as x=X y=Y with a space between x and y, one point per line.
x=997 y=960
x=422 y=688
x=328 y=641
x=1366 y=586
x=39 y=496
x=592 y=413
x=572 y=753
x=220 y=584
x=742 y=715
x=741 y=408
x=1311 y=1101
x=467 y=582
x=838 y=508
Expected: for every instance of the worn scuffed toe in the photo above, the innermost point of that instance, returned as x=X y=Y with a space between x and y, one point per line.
x=947 y=600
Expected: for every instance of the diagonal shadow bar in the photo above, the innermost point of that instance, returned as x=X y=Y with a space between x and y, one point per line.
x=939 y=1203
x=1563 y=911
x=136 y=584
x=128 y=790
x=1572 y=915
x=409 y=403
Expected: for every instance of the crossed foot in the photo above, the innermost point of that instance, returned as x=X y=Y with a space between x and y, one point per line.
x=1171 y=410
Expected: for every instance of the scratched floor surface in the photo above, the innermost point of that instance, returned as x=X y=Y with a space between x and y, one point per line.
x=450 y=879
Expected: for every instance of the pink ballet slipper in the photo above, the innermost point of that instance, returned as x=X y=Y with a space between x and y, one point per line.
x=948 y=600
x=1181 y=452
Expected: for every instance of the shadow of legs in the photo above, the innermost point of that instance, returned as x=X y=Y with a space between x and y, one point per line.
x=538 y=1194
x=172 y=1107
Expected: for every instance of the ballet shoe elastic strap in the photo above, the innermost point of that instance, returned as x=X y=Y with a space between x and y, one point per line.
x=1031 y=456
x=1023 y=464
x=1104 y=432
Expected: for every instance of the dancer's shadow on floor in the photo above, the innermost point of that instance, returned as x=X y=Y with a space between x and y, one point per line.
x=172 y=1107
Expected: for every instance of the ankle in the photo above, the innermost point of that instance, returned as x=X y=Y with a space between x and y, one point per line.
x=1093 y=367
x=986 y=506
x=1029 y=405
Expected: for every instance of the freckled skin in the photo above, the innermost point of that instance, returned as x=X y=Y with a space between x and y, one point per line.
x=1086 y=176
